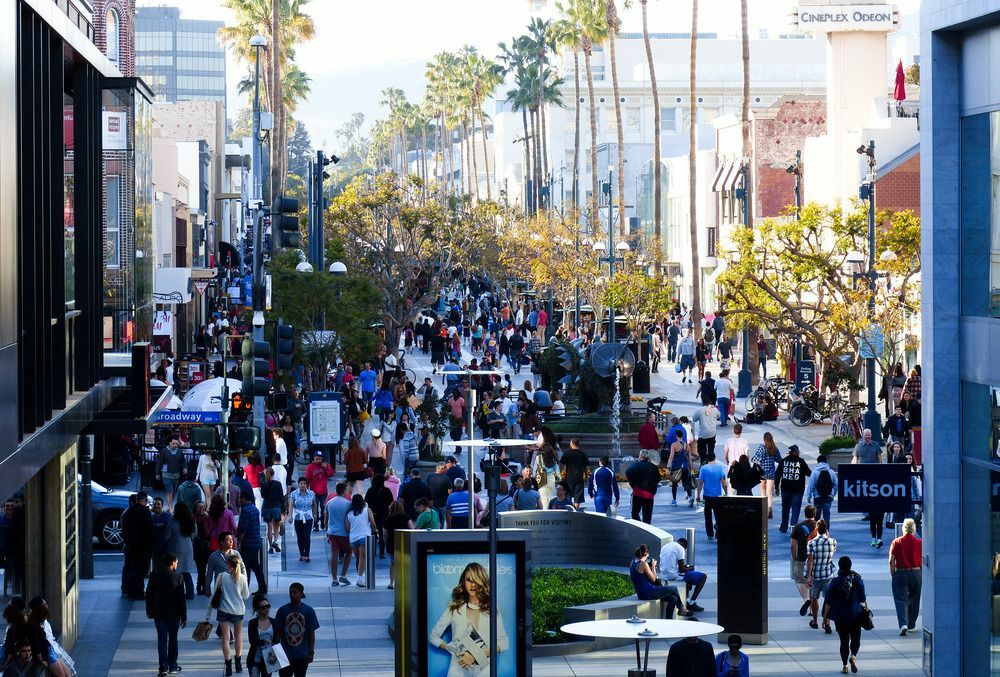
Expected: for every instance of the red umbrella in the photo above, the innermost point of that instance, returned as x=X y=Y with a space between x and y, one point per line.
x=899 y=93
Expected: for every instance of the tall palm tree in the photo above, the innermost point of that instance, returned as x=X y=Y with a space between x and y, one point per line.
x=568 y=35
x=593 y=24
x=693 y=175
x=657 y=216
x=515 y=61
x=277 y=142
x=751 y=336
x=611 y=12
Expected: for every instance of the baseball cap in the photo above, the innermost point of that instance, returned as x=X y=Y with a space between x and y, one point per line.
x=376 y=433
x=318 y=454
x=298 y=586
x=793 y=447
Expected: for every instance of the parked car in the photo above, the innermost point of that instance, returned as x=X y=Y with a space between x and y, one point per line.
x=107 y=506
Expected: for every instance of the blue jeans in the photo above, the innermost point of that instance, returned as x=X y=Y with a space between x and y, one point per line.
x=823 y=506
x=790 y=503
x=166 y=643
x=188 y=586
x=723 y=405
x=251 y=560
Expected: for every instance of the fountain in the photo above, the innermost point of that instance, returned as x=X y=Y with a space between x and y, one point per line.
x=616 y=416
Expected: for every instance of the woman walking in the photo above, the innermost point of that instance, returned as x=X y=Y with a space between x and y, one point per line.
x=546 y=464
x=702 y=353
x=376 y=451
x=181 y=533
x=207 y=473
x=355 y=462
x=767 y=457
x=300 y=503
x=233 y=590
x=679 y=464
x=379 y=499
x=273 y=508
x=359 y=524
x=845 y=596
x=254 y=472
x=392 y=482
x=743 y=477
x=202 y=542
x=220 y=519
x=263 y=634
x=396 y=519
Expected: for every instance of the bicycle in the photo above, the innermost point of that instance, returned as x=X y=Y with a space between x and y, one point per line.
x=777 y=388
x=809 y=407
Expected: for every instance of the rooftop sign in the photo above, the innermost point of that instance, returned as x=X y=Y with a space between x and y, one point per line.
x=837 y=18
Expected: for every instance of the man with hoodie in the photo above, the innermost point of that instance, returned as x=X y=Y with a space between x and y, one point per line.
x=822 y=488
x=790 y=474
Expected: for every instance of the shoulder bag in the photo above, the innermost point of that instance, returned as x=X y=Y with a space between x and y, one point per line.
x=217 y=595
x=203 y=630
x=541 y=474
x=866 y=617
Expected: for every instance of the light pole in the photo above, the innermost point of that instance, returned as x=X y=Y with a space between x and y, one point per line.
x=611 y=259
x=872 y=419
x=795 y=169
x=256 y=203
x=743 y=194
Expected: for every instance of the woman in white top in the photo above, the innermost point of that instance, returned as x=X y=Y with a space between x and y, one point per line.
x=280 y=448
x=235 y=590
x=207 y=473
x=360 y=524
x=469 y=610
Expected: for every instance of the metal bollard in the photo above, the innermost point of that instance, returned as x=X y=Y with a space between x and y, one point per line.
x=689 y=534
x=371 y=552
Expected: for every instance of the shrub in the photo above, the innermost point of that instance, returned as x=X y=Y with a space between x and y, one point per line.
x=553 y=589
x=836 y=442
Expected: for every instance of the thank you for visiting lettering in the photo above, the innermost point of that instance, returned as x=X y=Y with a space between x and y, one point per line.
x=874 y=487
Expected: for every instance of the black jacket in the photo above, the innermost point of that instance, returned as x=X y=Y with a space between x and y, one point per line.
x=410 y=492
x=691 y=659
x=439 y=486
x=165 y=600
x=707 y=391
x=643 y=475
x=790 y=475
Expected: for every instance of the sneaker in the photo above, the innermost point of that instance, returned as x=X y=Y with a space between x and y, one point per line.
x=344 y=581
x=690 y=502
x=277 y=548
x=813 y=624
x=685 y=614
x=360 y=583
x=827 y=629
x=335 y=583
x=804 y=609
x=673 y=502
x=694 y=606
x=873 y=542
x=878 y=543
x=174 y=670
x=902 y=631
x=162 y=673
x=390 y=587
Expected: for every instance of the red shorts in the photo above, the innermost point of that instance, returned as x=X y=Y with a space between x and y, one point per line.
x=339 y=543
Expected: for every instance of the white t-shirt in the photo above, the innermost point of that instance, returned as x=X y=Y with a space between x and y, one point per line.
x=281 y=476
x=670 y=555
x=736 y=447
x=723 y=386
x=281 y=451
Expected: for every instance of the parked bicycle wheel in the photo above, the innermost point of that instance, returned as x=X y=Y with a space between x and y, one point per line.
x=801 y=415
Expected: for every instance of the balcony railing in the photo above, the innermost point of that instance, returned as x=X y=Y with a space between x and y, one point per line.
x=903 y=109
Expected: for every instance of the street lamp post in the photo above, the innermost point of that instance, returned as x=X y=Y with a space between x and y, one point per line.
x=796 y=170
x=872 y=419
x=611 y=259
x=745 y=379
x=257 y=288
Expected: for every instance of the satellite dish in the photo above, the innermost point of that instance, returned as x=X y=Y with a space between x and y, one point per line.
x=607 y=356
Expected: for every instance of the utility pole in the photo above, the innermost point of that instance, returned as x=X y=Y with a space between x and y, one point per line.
x=257 y=213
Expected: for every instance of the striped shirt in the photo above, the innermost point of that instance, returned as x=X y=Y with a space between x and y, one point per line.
x=458 y=504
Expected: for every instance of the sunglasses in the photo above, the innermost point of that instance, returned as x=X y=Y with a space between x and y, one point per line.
x=264 y=606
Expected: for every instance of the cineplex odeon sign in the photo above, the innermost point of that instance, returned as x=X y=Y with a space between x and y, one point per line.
x=833 y=18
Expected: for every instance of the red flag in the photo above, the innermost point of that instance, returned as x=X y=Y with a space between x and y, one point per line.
x=899 y=93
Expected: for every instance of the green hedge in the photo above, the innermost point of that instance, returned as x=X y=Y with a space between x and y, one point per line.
x=553 y=589
x=837 y=442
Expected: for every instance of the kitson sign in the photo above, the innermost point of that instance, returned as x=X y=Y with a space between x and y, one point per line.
x=874 y=487
x=832 y=18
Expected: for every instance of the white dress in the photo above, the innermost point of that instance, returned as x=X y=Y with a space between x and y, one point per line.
x=459 y=622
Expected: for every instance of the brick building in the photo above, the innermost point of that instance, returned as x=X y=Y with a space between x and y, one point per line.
x=116 y=18
x=776 y=133
x=898 y=184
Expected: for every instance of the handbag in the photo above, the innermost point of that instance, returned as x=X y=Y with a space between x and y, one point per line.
x=677 y=367
x=865 y=617
x=216 y=596
x=541 y=474
x=203 y=630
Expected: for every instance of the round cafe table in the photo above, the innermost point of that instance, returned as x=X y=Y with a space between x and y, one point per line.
x=642 y=629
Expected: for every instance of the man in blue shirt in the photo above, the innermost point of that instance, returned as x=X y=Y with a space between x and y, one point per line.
x=297 y=623
x=711 y=481
x=603 y=486
x=248 y=531
x=457 y=506
x=367 y=378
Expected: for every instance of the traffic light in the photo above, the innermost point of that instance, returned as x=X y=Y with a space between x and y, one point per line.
x=204 y=438
x=285 y=222
x=285 y=341
x=246 y=438
x=256 y=369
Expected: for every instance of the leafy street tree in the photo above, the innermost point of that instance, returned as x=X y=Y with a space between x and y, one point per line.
x=793 y=278
x=638 y=298
x=300 y=150
x=402 y=241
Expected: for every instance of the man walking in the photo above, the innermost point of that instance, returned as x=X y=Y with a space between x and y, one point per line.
x=296 y=622
x=711 y=485
x=576 y=463
x=802 y=533
x=166 y=606
x=644 y=479
x=866 y=450
x=820 y=568
x=705 y=419
x=170 y=467
x=822 y=487
x=905 y=562
x=736 y=446
x=673 y=334
x=685 y=352
x=440 y=485
x=656 y=348
x=790 y=475
x=318 y=474
x=603 y=488
x=724 y=396
x=336 y=533
x=138 y=535
x=248 y=532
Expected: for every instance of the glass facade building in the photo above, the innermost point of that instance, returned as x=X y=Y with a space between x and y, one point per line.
x=180 y=59
x=960 y=196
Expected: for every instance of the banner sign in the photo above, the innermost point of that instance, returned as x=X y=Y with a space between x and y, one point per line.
x=874 y=487
x=115 y=130
x=836 y=18
x=172 y=417
x=163 y=323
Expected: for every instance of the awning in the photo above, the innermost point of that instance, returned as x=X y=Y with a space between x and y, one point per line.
x=117 y=418
x=729 y=181
x=720 y=173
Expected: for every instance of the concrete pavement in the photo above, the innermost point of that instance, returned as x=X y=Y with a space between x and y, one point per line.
x=117 y=639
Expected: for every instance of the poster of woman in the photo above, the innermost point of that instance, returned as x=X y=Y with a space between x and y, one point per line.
x=458 y=611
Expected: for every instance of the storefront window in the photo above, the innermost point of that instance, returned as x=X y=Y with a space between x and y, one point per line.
x=12 y=545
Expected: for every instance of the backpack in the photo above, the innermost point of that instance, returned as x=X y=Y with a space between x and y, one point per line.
x=824 y=484
x=709 y=335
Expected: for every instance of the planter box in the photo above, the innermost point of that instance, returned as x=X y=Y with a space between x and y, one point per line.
x=838 y=456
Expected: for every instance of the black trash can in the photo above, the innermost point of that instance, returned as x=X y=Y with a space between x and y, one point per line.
x=640 y=377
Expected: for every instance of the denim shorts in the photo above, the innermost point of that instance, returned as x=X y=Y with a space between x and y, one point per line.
x=170 y=485
x=360 y=543
x=225 y=617
x=272 y=515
